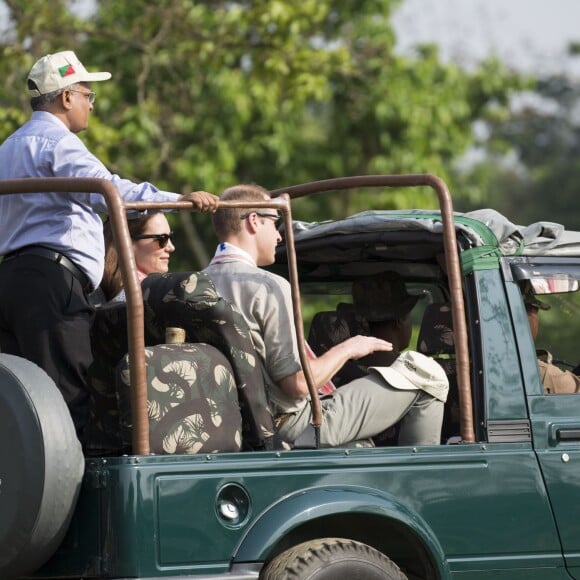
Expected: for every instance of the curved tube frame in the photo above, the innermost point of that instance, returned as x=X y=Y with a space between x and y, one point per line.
x=451 y=261
x=135 y=331
x=135 y=318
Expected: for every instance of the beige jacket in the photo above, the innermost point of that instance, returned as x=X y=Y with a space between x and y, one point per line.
x=555 y=380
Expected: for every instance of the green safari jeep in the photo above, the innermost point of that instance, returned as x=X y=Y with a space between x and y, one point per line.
x=496 y=499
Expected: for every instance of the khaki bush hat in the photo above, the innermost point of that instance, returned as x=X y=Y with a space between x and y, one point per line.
x=382 y=297
x=58 y=71
x=413 y=370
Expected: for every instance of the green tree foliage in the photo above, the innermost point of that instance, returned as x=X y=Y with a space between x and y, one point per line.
x=210 y=93
x=530 y=172
x=538 y=179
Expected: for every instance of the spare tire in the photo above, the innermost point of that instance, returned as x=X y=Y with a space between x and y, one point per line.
x=41 y=467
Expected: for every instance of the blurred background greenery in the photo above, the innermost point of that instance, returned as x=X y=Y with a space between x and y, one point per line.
x=209 y=93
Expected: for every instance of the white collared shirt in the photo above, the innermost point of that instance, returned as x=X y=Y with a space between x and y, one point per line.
x=67 y=223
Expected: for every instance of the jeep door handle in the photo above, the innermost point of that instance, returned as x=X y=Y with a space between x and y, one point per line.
x=572 y=434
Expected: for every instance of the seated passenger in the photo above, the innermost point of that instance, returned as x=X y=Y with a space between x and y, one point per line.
x=413 y=388
x=383 y=301
x=555 y=380
x=381 y=308
x=152 y=246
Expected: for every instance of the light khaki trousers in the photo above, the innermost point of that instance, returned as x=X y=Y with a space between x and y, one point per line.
x=367 y=406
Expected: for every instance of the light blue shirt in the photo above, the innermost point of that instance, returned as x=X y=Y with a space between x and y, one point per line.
x=68 y=223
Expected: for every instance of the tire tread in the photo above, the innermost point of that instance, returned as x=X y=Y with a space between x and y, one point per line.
x=304 y=560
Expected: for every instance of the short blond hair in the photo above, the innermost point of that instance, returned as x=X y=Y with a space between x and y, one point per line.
x=227 y=222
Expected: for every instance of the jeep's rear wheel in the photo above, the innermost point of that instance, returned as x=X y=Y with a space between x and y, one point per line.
x=329 y=559
x=41 y=467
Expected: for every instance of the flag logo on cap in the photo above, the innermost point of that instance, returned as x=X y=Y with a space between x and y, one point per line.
x=66 y=70
x=57 y=71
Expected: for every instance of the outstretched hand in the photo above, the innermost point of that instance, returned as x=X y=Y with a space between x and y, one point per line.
x=360 y=346
x=201 y=200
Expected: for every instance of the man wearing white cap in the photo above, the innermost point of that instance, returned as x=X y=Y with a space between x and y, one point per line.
x=412 y=390
x=52 y=243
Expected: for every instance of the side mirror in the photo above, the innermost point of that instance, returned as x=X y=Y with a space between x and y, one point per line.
x=554 y=285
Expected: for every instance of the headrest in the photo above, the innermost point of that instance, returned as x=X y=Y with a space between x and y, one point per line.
x=436 y=332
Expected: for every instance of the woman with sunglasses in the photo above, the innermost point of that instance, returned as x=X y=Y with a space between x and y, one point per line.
x=152 y=246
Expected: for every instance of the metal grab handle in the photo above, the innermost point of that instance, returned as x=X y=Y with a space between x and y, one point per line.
x=572 y=434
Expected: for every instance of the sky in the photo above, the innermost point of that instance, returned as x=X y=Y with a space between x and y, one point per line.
x=528 y=35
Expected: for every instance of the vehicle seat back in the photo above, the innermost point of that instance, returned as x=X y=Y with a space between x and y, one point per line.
x=190 y=301
x=436 y=340
x=109 y=343
x=436 y=333
x=192 y=400
x=329 y=328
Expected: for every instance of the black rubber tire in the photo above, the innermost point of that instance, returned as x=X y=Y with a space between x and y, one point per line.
x=41 y=467
x=332 y=559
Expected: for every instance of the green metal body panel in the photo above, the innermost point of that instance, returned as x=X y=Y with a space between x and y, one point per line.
x=159 y=518
x=501 y=373
x=555 y=421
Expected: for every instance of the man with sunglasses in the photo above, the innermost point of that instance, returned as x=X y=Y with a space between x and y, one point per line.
x=412 y=389
x=52 y=243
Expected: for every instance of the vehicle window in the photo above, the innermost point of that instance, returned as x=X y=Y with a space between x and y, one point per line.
x=555 y=325
x=559 y=327
x=325 y=297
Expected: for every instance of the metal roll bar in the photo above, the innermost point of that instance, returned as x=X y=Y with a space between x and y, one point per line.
x=451 y=261
x=281 y=203
x=135 y=314
x=135 y=331
x=135 y=319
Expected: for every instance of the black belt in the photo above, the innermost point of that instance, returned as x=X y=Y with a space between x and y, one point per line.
x=54 y=257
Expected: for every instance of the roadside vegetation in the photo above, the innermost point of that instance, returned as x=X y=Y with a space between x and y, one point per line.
x=208 y=93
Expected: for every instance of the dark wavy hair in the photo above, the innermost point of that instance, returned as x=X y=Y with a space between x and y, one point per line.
x=112 y=282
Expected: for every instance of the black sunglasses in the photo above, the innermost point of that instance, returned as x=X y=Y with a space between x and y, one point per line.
x=273 y=216
x=161 y=239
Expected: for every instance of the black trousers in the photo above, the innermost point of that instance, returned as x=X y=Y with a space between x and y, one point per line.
x=45 y=317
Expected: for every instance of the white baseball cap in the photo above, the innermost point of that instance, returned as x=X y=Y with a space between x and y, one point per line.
x=413 y=370
x=60 y=70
